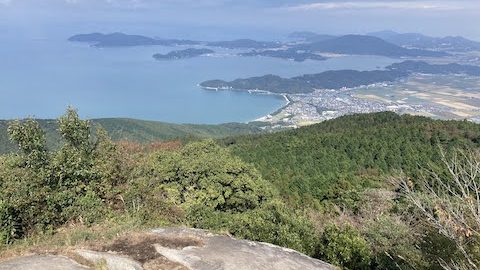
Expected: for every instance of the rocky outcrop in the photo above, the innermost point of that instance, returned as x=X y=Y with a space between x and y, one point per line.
x=226 y=253
x=175 y=249
x=42 y=262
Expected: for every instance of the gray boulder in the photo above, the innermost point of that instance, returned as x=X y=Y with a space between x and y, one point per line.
x=225 y=253
x=175 y=249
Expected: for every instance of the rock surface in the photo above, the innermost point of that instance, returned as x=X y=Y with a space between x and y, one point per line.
x=177 y=249
x=226 y=253
x=111 y=261
x=42 y=262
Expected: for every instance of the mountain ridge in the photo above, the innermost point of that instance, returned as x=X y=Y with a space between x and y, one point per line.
x=365 y=45
x=337 y=79
x=140 y=131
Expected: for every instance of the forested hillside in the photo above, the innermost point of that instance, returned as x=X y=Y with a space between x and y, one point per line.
x=347 y=191
x=354 y=150
x=137 y=131
x=350 y=175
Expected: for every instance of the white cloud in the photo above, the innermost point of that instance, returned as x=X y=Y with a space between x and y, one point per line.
x=399 y=5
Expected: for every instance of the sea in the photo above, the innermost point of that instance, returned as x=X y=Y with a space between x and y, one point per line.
x=41 y=76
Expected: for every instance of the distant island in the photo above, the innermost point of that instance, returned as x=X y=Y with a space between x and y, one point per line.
x=306 y=45
x=405 y=40
x=338 y=79
x=182 y=54
x=124 y=40
x=290 y=54
x=419 y=41
x=307 y=36
x=245 y=44
x=365 y=45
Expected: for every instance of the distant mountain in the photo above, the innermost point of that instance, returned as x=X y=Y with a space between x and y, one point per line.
x=271 y=83
x=365 y=45
x=423 y=67
x=419 y=41
x=124 y=40
x=182 y=54
x=286 y=54
x=385 y=35
x=138 y=131
x=310 y=36
x=302 y=35
x=319 y=38
x=334 y=79
x=338 y=79
x=245 y=44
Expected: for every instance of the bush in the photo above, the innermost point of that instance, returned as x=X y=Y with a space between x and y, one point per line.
x=219 y=192
x=272 y=223
x=394 y=244
x=344 y=247
x=9 y=223
x=42 y=190
x=203 y=173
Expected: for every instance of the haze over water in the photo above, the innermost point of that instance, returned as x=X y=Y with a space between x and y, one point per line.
x=42 y=76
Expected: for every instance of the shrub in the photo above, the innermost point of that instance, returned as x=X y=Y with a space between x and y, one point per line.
x=41 y=190
x=9 y=223
x=203 y=173
x=394 y=244
x=344 y=247
x=272 y=223
x=218 y=191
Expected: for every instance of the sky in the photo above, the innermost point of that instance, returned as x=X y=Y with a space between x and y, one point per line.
x=220 y=19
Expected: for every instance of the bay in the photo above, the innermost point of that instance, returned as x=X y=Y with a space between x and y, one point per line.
x=41 y=77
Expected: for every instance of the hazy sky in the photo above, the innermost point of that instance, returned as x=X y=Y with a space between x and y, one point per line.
x=216 y=19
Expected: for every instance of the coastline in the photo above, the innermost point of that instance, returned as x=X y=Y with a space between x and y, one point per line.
x=279 y=110
x=255 y=92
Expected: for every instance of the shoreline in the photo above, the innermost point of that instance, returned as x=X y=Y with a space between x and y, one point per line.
x=279 y=110
x=254 y=92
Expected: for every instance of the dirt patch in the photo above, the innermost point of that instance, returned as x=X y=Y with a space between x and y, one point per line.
x=140 y=247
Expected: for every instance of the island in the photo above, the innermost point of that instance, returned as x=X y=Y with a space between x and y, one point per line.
x=182 y=54
x=124 y=40
x=337 y=79
x=365 y=45
x=420 y=41
x=298 y=56
x=245 y=44
x=307 y=46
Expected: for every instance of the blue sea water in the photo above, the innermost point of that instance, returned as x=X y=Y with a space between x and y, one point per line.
x=41 y=77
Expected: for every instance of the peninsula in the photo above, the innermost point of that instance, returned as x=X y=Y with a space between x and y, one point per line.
x=337 y=79
x=245 y=44
x=123 y=40
x=365 y=45
x=182 y=54
x=290 y=54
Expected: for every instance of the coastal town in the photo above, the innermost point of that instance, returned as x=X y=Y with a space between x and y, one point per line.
x=414 y=96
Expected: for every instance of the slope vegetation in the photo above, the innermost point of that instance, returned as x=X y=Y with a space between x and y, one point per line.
x=318 y=161
x=138 y=131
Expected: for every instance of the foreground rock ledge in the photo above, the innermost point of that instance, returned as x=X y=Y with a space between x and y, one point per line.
x=198 y=250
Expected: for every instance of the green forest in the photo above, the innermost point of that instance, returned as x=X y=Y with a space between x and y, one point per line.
x=133 y=130
x=359 y=191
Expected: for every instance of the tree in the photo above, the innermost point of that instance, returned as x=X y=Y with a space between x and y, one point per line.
x=449 y=199
x=30 y=139
x=41 y=190
x=345 y=247
x=205 y=174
